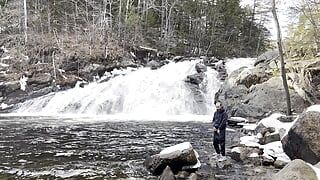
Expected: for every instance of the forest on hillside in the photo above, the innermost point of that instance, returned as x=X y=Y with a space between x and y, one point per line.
x=103 y=28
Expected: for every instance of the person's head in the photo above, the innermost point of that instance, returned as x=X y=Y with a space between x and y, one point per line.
x=218 y=106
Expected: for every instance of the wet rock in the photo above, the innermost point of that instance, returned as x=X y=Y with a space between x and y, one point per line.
x=39 y=81
x=176 y=157
x=196 y=79
x=153 y=65
x=280 y=164
x=177 y=58
x=234 y=121
x=296 y=169
x=250 y=77
x=91 y=70
x=193 y=176
x=267 y=57
x=262 y=129
x=287 y=118
x=269 y=137
x=67 y=81
x=246 y=154
x=225 y=164
x=200 y=68
x=267 y=160
x=182 y=175
x=303 y=139
x=167 y=174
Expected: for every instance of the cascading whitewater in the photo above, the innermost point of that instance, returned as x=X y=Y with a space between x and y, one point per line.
x=161 y=92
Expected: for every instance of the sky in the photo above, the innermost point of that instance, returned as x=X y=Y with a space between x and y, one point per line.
x=285 y=18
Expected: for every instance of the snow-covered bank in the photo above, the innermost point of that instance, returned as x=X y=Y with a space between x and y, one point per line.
x=277 y=124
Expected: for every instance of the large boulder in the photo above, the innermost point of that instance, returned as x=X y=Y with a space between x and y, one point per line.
x=303 y=139
x=250 y=77
x=267 y=57
x=265 y=98
x=179 y=157
x=296 y=169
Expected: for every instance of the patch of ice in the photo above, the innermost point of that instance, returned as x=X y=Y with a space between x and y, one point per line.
x=178 y=147
x=249 y=141
x=314 y=108
x=197 y=165
x=23 y=83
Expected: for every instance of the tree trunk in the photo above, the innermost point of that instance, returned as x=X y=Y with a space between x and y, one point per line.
x=25 y=21
x=283 y=69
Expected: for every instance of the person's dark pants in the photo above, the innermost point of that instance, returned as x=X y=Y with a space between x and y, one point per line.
x=219 y=141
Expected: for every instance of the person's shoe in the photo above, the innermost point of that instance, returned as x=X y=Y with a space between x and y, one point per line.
x=216 y=155
x=222 y=158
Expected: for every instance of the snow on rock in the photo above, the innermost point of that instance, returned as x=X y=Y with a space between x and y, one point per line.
x=234 y=64
x=178 y=147
x=236 y=150
x=314 y=108
x=23 y=83
x=249 y=141
x=5 y=106
x=275 y=149
x=272 y=121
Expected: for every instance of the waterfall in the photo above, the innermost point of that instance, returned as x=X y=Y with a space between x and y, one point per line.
x=141 y=93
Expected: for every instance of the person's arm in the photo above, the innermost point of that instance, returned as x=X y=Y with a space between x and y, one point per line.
x=223 y=123
x=213 y=122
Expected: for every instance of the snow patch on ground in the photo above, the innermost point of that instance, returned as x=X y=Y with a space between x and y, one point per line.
x=249 y=141
x=314 y=108
x=23 y=83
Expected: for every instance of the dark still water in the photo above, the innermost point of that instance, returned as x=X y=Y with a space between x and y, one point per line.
x=53 y=148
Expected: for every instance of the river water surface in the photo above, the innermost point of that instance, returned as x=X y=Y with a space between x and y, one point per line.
x=53 y=148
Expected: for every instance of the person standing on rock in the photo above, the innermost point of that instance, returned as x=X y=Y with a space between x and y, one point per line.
x=219 y=121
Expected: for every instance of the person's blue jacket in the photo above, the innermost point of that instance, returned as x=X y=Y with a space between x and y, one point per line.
x=219 y=120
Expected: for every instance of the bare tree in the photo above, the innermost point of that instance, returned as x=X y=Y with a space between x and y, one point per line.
x=283 y=69
x=25 y=21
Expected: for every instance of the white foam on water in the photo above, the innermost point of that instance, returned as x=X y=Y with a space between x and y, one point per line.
x=133 y=94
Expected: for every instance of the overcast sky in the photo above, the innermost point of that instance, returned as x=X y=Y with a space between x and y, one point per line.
x=283 y=14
